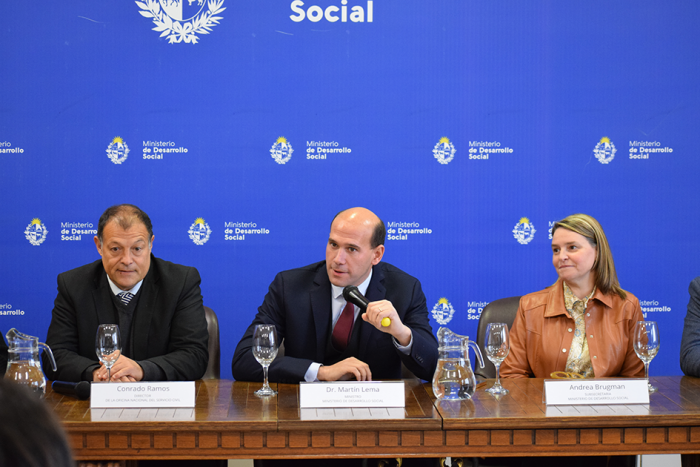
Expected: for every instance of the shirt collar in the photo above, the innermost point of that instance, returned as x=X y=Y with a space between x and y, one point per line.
x=555 y=303
x=570 y=298
x=338 y=291
x=116 y=290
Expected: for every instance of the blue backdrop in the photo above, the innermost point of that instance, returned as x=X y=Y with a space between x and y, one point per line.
x=469 y=126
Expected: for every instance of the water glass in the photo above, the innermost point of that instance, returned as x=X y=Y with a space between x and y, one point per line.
x=265 y=350
x=497 y=349
x=646 y=345
x=108 y=346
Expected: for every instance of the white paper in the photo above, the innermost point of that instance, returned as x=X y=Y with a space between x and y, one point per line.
x=142 y=394
x=596 y=391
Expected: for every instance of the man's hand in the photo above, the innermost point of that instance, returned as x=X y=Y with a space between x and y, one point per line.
x=345 y=370
x=99 y=375
x=124 y=370
x=377 y=311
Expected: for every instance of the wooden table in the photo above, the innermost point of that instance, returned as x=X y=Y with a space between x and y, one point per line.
x=230 y=422
x=520 y=424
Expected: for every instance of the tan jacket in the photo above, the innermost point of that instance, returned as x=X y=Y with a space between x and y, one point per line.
x=541 y=335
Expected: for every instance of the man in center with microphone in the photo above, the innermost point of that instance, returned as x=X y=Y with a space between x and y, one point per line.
x=329 y=339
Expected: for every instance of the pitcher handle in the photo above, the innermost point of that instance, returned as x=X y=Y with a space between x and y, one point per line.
x=53 y=360
x=477 y=352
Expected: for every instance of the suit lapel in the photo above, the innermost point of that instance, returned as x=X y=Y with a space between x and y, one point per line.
x=321 y=310
x=102 y=299
x=143 y=314
x=375 y=291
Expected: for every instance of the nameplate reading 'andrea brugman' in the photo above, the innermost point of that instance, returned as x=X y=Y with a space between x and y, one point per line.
x=352 y=394
x=596 y=391
x=142 y=395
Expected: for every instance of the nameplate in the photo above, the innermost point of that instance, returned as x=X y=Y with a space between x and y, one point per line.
x=352 y=394
x=596 y=391
x=142 y=395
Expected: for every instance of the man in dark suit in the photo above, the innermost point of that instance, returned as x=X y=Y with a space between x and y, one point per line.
x=157 y=304
x=307 y=307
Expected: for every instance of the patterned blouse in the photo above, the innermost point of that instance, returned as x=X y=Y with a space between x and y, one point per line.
x=579 y=360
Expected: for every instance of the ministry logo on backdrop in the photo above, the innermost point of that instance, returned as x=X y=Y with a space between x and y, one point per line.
x=641 y=150
x=6 y=148
x=282 y=150
x=36 y=232
x=182 y=20
x=443 y=311
x=604 y=151
x=117 y=150
x=444 y=151
x=524 y=231
x=653 y=306
x=315 y=13
x=199 y=232
x=7 y=310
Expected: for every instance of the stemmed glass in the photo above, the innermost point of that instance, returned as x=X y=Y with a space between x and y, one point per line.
x=108 y=346
x=497 y=348
x=265 y=350
x=646 y=344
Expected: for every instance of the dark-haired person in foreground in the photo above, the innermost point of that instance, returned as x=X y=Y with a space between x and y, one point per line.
x=157 y=304
x=3 y=354
x=30 y=434
x=306 y=305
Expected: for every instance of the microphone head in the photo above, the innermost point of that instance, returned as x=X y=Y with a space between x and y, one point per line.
x=352 y=294
x=82 y=390
x=348 y=290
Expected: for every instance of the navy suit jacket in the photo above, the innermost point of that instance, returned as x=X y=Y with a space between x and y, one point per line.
x=169 y=328
x=298 y=303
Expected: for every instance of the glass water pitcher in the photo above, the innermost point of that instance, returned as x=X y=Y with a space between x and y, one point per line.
x=454 y=378
x=23 y=363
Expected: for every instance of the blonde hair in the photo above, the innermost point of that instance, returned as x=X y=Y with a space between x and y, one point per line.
x=603 y=266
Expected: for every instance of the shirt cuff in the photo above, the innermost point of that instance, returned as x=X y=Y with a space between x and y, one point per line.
x=404 y=350
x=311 y=374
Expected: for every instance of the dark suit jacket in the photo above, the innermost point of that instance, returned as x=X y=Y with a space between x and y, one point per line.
x=299 y=305
x=3 y=354
x=169 y=328
x=690 y=342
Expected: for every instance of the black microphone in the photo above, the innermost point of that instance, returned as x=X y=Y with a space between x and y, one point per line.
x=80 y=390
x=353 y=295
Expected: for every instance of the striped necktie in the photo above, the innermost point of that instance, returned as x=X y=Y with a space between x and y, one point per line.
x=125 y=297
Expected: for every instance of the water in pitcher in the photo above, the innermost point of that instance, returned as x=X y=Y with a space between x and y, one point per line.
x=23 y=363
x=454 y=378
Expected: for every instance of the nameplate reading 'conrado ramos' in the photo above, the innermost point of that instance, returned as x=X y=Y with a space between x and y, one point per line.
x=142 y=395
